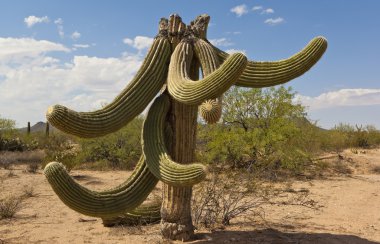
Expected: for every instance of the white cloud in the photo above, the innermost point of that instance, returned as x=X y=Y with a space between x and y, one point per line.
x=221 y=42
x=276 y=21
x=231 y=51
x=59 y=23
x=342 y=98
x=139 y=42
x=81 y=45
x=239 y=10
x=268 y=11
x=233 y=32
x=32 y=20
x=38 y=80
x=75 y=35
x=257 y=8
x=16 y=50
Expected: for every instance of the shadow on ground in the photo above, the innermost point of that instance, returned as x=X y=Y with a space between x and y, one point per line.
x=272 y=236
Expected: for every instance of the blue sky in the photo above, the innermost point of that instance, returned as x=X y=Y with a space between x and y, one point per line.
x=82 y=53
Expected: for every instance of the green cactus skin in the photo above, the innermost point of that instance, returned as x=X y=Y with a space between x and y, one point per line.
x=146 y=213
x=130 y=103
x=104 y=204
x=210 y=110
x=156 y=154
x=263 y=74
x=190 y=92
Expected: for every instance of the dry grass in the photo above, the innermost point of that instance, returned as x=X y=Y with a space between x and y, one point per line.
x=29 y=192
x=9 y=206
x=32 y=168
x=10 y=173
x=220 y=199
x=8 y=158
x=376 y=169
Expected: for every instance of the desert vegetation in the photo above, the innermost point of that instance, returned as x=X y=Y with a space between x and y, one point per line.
x=264 y=141
x=254 y=139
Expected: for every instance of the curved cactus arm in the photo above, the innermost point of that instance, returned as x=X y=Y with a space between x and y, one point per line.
x=156 y=154
x=146 y=213
x=210 y=110
x=263 y=74
x=190 y=92
x=126 y=106
x=104 y=204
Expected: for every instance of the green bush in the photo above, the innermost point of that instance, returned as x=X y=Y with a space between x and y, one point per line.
x=119 y=150
x=262 y=130
x=61 y=148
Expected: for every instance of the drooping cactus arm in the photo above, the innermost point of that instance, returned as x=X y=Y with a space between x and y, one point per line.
x=211 y=109
x=104 y=204
x=263 y=74
x=190 y=92
x=146 y=213
x=130 y=103
x=156 y=154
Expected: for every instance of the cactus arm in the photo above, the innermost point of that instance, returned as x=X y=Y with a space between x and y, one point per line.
x=211 y=109
x=156 y=154
x=126 y=106
x=106 y=204
x=190 y=92
x=263 y=74
x=146 y=213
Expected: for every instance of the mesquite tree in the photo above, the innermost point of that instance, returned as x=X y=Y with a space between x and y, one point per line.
x=170 y=69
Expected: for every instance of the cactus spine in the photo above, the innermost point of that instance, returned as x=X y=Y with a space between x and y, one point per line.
x=169 y=132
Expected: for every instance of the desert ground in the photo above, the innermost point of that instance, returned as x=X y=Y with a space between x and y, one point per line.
x=349 y=211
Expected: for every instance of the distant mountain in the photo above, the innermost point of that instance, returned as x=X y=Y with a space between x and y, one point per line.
x=303 y=121
x=38 y=127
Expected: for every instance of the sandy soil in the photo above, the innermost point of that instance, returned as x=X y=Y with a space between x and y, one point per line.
x=350 y=212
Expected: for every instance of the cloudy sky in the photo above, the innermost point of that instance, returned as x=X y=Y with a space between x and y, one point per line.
x=82 y=53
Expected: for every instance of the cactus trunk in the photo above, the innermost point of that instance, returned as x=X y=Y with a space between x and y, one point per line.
x=176 y=223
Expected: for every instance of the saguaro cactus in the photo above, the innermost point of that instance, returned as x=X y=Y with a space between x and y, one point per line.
x=169 y=132
x=28 y=128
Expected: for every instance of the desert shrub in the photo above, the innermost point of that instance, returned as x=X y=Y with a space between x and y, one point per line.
x=216 y=202
x=262 y=130
x=8 y=136
x=32 y=168
x=10 y=173
x=120 y=149
x=344 y=136
x=9 y=206
x=63 y=149
x=376 y=169
x=224 y=197
x=28 y=191
x=36 y=156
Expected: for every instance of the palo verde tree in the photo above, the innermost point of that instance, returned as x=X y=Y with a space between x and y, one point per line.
x=171 y=69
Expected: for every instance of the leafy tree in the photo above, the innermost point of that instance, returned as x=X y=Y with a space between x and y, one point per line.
x=262 y=129
x=6 y=125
